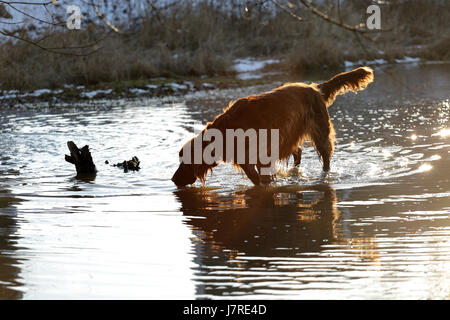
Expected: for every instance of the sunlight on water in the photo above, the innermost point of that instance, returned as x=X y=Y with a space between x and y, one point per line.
x=425 y=167
x=444 y=133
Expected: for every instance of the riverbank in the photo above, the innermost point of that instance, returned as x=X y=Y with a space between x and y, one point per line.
x=247 y=72
x=125 y=89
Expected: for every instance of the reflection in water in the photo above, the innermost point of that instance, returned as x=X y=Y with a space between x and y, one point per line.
x=251 y=231
x=9 y=269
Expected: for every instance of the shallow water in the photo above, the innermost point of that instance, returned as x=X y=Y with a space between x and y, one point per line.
x=376 y=227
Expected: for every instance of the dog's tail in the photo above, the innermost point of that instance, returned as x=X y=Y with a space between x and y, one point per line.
x=354 y=80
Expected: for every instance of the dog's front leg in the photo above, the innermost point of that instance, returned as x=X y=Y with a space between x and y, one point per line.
x=264 y=178
x=297 y=156
x=251 y=173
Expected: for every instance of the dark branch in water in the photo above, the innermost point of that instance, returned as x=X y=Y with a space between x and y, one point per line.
x=82 y=159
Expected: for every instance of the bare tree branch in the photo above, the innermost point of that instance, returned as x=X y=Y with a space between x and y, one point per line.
x=54 y=50
x=106 y=21
x=293 y=15
x=157 y=11
x=29 y=3
x=63 y=50
x=326 y=17
x=10 y=4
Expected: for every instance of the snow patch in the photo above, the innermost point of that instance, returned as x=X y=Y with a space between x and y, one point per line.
x=138 y=91
x=16 y=93
x=351 y=64
x=250 y=68
x=208 y=85
x=92 y=94
x=251 y=65
x=176 y=86
x=407 y=59
x=40 y=92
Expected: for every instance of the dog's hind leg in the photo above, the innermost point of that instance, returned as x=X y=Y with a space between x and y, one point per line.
x=323 y=134
x=324 y=147
x=323 y=142
x=297 y=156
x=251 y=173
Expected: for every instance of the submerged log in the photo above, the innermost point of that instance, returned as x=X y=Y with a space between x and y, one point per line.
x=82 y=159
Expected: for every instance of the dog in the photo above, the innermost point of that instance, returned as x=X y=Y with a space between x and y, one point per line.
x=298 y=111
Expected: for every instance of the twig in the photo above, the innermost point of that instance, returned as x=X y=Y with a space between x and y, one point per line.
x=53 y=50
x=109 y=24
x=327 y=18
x=29 y=15
x=25 y=2
x=157 y=12
x=361 y=44
x=293 y=15
x=339 y=10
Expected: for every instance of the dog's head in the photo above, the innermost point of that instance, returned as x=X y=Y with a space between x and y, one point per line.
x=184 y=175
x=188 y=171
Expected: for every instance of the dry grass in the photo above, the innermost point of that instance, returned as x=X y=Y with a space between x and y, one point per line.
x=204 y=40
x=24 y=67
x=439 y=50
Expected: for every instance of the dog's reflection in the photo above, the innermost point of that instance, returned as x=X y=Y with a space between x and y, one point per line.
x=9 y=264
x=239 y=238
x=272 y=221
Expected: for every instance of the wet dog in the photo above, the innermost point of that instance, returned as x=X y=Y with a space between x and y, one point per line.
x=297 y=110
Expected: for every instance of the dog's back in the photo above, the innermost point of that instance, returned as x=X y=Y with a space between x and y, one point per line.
x=289 y=108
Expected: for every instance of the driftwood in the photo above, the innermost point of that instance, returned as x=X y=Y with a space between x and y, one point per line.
x=82 y=159
x=132 y=164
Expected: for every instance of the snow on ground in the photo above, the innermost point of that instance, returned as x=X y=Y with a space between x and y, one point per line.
x=11 y=94
x=250 y=68
x=82 y=92
x=138 y=91
x=208 y=85
x=407 y=59
x=352 y=64
x=250 y=64
x=92 y=94
x=177 y=86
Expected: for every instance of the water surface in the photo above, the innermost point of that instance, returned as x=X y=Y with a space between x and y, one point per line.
x=376 y=227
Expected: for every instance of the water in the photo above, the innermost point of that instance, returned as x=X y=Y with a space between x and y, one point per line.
x=376 y=227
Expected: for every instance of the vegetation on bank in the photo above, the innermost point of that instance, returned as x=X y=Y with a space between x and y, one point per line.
x=128 y=89
x=191 y=41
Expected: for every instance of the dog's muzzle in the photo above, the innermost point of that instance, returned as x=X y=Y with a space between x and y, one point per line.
x=184 y=175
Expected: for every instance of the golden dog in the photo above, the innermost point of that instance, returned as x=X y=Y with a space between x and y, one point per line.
x=297 y=110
